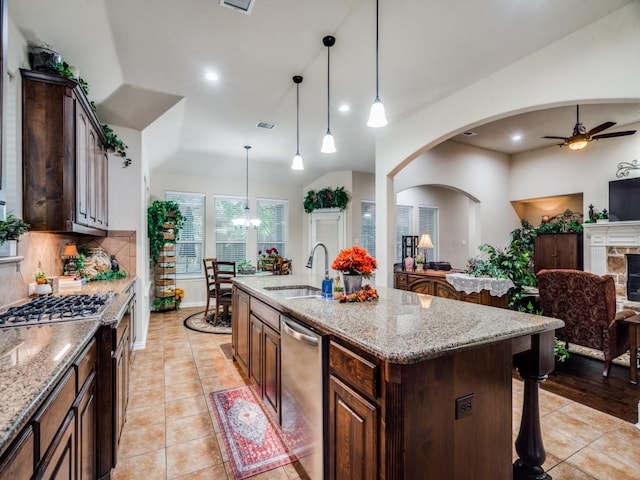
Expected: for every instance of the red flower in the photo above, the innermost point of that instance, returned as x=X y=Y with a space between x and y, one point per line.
x=355 y=260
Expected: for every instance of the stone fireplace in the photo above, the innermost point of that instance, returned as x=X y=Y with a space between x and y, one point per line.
x=610 y=247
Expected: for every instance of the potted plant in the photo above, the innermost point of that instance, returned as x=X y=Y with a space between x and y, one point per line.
x=10 y=231
x=419 y=263
x=354 y=263
x=157 y=215
x=246 y=268
x=42 y=284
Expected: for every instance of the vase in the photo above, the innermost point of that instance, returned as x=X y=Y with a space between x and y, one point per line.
x=419 y=267
x=9 y=248
x=352 y=283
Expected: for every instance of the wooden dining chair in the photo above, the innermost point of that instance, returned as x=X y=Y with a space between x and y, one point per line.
x=223 y=272
x=210 y=279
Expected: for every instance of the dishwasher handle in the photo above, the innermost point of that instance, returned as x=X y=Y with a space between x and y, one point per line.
x=291 y=330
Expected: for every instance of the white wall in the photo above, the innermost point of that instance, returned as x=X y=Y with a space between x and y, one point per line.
x=234 y=185
x=552 y=76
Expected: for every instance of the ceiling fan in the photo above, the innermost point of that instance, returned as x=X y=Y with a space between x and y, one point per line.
x=581 y=137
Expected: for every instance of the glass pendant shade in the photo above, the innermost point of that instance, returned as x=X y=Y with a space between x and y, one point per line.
x=578 y=143
x=328 y=143
x=297 y=162
x=246 y=222
x=377 y=117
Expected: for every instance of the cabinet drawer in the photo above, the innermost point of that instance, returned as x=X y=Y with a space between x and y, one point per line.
x=18 y=462
x=50 y=416
x=401 y=281
x=267 y=314
x=353 y=369
x=86 y=363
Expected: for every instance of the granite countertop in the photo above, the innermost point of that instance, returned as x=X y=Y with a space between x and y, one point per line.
x=401 y=327
x=34 y=358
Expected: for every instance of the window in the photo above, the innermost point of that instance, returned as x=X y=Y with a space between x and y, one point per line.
x=274 y=229
x=428 y=223
x=190 y=243
x=403 y=227
x=368 y=227
x=231 y=242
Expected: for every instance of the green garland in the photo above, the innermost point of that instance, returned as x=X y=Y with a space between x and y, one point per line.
x=157 y=214
x=326 y=198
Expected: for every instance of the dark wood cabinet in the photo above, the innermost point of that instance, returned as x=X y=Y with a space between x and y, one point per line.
x=255 y=356
x=19 y=460
x=240 y=329
x=353 y=434
x=271 y=371
x=64 y=157
x=60 y=461
x=121 y=363
x=558 y=250
x=86 y=413
x=434 y=282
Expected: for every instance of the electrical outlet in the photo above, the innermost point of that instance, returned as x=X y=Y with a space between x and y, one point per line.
x=464 y=406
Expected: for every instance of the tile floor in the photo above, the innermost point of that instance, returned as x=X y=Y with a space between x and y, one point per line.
x=171 y=432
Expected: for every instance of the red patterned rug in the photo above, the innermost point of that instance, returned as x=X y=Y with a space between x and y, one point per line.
x=254 y=442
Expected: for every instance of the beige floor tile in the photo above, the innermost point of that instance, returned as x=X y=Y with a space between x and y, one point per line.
x=590 y=415
x=275 y=474
x=564 y=471
x=220 y=440
x=189 y=428
x=618 y=443
x=147 y=415
x=217 y=472
x=190 y=457
x=182 y=390
x=573 y=425
x=146 y=398
x=182 y=375
x=550 y=402
x=140 y=382
x=148 y=465
x=185 y=407
x=601 y=466
x=147 y=370
x=560 y=443
x=141 y=439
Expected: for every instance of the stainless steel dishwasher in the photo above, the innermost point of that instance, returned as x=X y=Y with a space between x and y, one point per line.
x=304 y=356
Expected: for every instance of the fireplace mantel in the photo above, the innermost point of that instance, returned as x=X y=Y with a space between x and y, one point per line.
x=613 y=234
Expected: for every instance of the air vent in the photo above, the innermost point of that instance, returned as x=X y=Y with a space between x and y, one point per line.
x=266 y=125
x=242 y=6
x=469 y=133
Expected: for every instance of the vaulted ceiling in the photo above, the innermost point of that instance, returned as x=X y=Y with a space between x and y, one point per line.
x=146 y=63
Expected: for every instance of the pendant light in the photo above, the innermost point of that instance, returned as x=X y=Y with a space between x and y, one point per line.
x=297 y=159
x=247 y=222
x=328 y=143
x=377 y=117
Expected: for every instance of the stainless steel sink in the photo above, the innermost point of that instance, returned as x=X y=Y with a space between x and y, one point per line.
x=295 y=291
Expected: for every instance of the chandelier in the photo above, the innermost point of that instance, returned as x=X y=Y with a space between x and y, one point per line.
x=246 y=222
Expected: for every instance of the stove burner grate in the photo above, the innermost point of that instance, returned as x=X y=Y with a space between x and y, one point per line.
x=56 y=308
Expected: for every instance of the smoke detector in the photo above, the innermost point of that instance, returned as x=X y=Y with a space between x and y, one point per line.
x=242 y=6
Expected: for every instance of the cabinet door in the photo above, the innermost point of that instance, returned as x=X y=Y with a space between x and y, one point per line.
x=240 y=330
x=86 y=413
x=18 y=461
x=82 y=166
x=353 y=433
x=61 y=463
x=544 y=252
x=271 y=371
x=255 y=352
x=567 y=251
x=94 y=171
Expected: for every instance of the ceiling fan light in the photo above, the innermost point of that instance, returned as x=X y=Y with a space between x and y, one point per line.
x=377 y=116
x=328 y=143
x=578 y=143
x=297 y=162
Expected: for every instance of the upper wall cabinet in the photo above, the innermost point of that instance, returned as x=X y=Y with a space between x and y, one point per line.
x=64 y=158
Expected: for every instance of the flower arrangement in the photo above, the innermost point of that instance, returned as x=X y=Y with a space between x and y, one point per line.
x=269 y=252
x=419 y=259
x=178 y=294
x=40 y=277
x=355 y=261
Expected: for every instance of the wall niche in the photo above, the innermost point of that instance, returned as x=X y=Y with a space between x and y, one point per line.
x=537 y=210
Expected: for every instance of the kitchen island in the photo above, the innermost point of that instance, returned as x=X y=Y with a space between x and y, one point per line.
x=416 y=386
x=56 y=377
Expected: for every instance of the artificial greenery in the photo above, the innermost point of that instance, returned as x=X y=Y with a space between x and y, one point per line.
x=157 y=214
x=113 y=142
x=12 y=228
x=560 y=350
x=116 y=144
x=163 y=303
x=326 y=198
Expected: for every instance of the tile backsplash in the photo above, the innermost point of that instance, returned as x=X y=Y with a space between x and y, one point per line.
x=43 y=250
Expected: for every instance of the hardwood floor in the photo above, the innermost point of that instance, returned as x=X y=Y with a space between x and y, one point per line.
x=580 y=379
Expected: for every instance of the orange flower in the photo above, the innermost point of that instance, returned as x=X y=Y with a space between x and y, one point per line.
x=355 y=260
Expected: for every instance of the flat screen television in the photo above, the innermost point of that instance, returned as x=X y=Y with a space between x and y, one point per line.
x=624 y=200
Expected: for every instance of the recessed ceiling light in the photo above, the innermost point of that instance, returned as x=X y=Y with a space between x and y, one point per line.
x=211 y=76
x=344 y=107
x=516 y=137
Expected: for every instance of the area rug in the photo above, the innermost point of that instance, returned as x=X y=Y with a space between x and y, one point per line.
x=198 y=323
x=622 y=360
x=253 y=441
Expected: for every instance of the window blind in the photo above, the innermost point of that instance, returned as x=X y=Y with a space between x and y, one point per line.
x=428 y=223
x=231 y=241
x=403 y=227
x=274 y=229
x=368 y=226
x=190 y=242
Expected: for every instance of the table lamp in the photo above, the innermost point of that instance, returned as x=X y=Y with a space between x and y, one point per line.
x=424 y=243
x=69 y=255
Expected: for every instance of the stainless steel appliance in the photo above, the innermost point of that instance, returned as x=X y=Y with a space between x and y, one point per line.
x=56 y=308
x=304 y=357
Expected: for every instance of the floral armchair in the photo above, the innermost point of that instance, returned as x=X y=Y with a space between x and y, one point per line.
x=587 y=304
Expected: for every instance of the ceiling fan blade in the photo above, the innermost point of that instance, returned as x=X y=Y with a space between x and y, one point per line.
x=614 y=134
x=600 y=128
x=556 y=138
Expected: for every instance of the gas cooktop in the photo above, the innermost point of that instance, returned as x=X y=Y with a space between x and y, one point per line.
x=56 y=308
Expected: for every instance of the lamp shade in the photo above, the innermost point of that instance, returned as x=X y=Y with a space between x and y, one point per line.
x=578 y=142
x=297 y=162
x=328 y=143
x=70 y=251
x=425 y=241
x=377 y=117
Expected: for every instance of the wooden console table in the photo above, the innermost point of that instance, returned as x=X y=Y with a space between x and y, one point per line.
x=634 y=341
x=434 y=282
